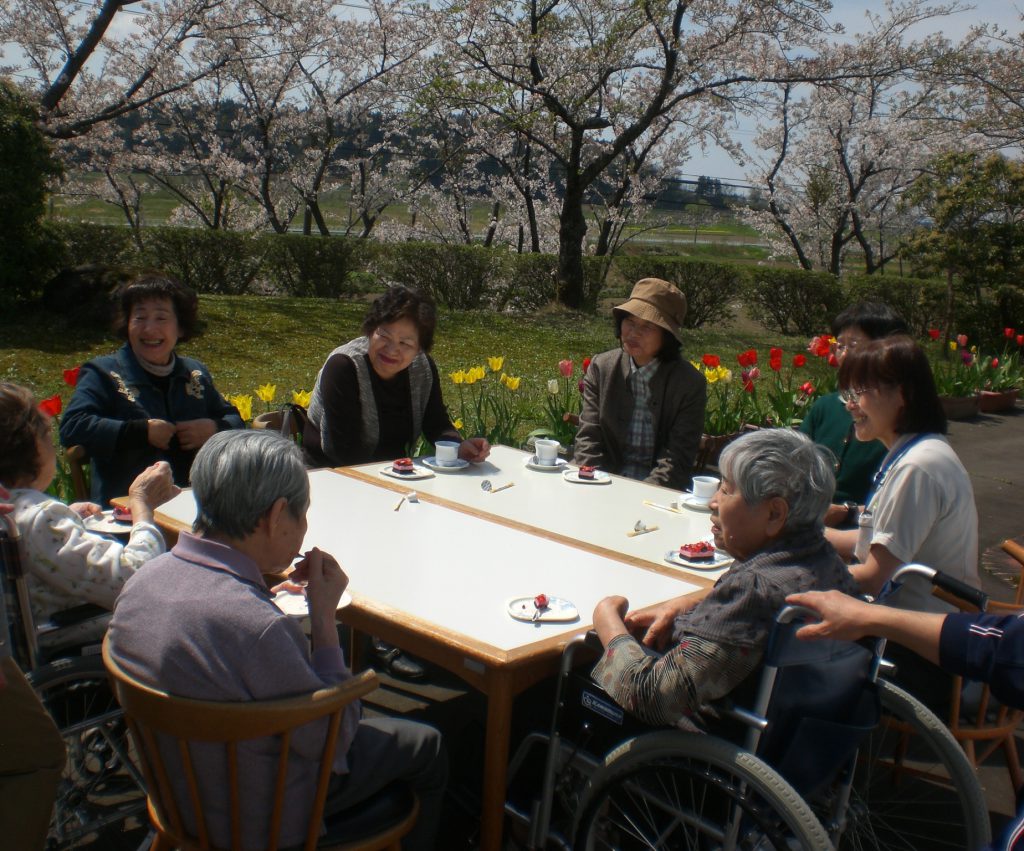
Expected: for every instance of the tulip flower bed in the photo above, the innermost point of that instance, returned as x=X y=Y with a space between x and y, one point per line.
x=502 y=376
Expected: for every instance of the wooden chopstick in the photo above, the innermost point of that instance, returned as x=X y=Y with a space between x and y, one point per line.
x=632 y=533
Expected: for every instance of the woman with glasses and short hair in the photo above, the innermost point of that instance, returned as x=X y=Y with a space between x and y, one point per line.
x=828 y=423
x=375 y=395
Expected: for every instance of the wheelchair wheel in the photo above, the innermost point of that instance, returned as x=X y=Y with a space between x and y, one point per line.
x=684 y=790
x=101 y=787
x=914 y=787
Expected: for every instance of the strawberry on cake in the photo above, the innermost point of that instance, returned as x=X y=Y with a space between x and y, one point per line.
x=587 y=472
x=403 y=465
x=699 y=551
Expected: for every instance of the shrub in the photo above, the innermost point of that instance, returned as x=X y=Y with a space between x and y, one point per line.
x=209 y=261
x=920 y=301
x=523 y=282
x=454 y=275
x=96 y=245
x=312 y=265
x=29 y=251
x=711 y=289
x=793 y=301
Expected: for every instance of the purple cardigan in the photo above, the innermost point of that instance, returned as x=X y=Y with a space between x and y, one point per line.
x=199 y=622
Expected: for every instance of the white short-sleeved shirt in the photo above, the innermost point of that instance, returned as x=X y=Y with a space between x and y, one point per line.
x=923 y=511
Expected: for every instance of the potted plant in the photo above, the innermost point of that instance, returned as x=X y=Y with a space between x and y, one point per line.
x=957 y=378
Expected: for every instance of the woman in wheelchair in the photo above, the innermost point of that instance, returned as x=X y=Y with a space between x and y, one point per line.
x=768 y=514
x=66 y=564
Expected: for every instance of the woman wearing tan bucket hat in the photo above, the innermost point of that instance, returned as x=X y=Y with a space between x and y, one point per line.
x=643 y=404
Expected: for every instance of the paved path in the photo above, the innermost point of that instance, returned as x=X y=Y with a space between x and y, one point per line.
x=991 y=447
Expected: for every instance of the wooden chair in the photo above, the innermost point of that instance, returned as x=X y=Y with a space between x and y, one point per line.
x=77 y=459
x=152 y=713
x=985 y=728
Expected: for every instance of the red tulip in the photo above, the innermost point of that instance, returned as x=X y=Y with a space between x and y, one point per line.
x=748 y=386
x=820 y=346
x=711 y=361
x=774 y=353
x=1008 y=333
x=833 y=361
x=565 y=367
x=775 y=364
x=807 y=388
x=934 y=333
x=1020 y=339
x=52 y=406
x=799 y=360
x=961 y=340
x=586 y=365
x=966 y=357
x=995 y=362
x=71 y=376
x=747 y=358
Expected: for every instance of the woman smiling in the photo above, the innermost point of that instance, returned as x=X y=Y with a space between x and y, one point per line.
x=921 y=505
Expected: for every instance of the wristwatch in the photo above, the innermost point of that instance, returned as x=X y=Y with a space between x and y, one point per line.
x=852 y=510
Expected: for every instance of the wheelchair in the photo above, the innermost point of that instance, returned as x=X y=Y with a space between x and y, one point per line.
x=832 y=756
x=101 y=788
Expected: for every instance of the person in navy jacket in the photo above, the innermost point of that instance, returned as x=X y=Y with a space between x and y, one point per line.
x=988 y=648
x=146 y=403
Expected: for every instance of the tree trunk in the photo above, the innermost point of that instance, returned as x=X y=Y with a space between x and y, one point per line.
x=572 y=229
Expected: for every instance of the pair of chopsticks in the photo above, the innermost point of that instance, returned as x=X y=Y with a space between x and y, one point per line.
x=663 y=507
x=505 y=486
x=632 y=533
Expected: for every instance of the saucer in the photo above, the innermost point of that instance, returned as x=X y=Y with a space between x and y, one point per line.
x=558 y=610
x=691 y=502
x=105 y=524
x=296 y=606
x=417 y=473
x=721 y=560
x=531 y=463
x=600 y=478
x=459 y=465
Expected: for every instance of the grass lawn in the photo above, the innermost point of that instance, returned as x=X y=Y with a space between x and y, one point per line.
x=251 y=340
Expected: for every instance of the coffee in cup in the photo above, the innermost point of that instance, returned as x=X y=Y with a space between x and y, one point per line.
x=446 y=453
x=547 y=451
x=704 y=488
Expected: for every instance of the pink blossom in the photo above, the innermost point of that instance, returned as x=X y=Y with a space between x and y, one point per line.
x=565 y=367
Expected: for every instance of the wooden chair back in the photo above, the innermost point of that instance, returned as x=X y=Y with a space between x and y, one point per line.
x=77 y=459
x=153 y=714
x=987 y=728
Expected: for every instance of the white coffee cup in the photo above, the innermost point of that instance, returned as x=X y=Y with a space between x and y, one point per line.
x=547 y=451
x=704 y=488
x=446 y=453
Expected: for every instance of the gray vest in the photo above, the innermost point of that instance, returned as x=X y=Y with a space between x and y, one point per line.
x=420 y=383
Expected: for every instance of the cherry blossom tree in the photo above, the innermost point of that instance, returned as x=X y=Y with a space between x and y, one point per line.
x=587 y=79
x=839 y=154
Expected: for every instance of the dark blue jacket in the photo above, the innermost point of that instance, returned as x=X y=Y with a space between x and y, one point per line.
x=114 y=390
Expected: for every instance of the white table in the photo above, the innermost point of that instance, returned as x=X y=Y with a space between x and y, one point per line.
x=435 y=577
x=597 y=517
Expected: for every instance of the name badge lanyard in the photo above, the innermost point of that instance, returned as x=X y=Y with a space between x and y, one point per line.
x=879 y=480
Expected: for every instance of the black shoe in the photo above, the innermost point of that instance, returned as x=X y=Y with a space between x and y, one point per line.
x=397 y=663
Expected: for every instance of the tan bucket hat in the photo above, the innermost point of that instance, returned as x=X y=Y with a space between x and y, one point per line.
x=656 y=301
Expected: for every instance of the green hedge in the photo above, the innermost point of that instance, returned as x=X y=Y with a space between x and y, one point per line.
x=793 y=301
x=920 y=301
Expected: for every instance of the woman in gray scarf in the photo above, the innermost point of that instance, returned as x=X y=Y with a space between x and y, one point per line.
x=768 y=514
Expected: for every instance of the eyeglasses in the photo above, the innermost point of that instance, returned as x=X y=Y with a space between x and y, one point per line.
x=845 y=347
x=406 y=347
x=848 y=397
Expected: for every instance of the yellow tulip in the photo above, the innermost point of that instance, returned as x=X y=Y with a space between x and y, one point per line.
x=301 y=397
x=458 y=377
x=470 y=376
x=479 y=373
x=496 y=363
x=511 y=382
x=952 y=345
x=458 y=424
x=244 y=405
x=267 y=392
x=724 y=374
x=711 y=375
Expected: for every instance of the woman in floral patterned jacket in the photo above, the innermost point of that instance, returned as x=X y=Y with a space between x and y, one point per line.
x=145 y=403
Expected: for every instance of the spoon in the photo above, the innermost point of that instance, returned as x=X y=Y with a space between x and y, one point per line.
x=487 y=487
x=409 y=497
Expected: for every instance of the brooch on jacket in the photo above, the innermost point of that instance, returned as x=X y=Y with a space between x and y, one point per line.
x=194 y=387
x=123 y=388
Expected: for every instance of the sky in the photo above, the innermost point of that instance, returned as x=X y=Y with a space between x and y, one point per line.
x=717 y=163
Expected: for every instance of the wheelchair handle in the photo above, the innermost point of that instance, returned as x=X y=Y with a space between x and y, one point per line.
x=949 y=589
x=792 y=613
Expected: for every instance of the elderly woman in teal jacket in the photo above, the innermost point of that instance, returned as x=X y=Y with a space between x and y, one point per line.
x=145 y=403
x=643 y=404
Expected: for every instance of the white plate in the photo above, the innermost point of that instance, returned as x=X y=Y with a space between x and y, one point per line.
x=459 y=465
x=600 y=478
x=105 y=524
x=717 y=563
x=296 y=605
x=531 y=463
x=557 y=611
x=417 y=473
x=690 y=501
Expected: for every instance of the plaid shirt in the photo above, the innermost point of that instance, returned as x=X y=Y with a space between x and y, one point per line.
x=640 y=438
